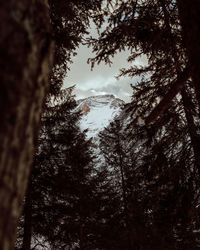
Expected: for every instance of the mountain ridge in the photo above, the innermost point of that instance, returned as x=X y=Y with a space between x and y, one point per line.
x=98 y=111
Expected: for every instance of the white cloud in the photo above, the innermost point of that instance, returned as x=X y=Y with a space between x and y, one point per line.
x=102 y=78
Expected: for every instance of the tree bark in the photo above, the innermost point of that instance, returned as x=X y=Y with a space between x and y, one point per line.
x=26 y=58
x=165 y=102
x=187 y=102
x=26 y=245
x=190 y=20
x=124 y=197
x=191 y=129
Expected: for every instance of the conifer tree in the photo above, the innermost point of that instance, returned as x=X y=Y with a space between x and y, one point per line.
x=115 y=148
x=153 y=28
x=27 y=51
x=70 y=21
x=59 y=200
x=107 y=229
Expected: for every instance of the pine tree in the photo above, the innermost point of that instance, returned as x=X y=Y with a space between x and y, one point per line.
x=153 y=28
x=62 y=189
x=107 y=230
x=27 y=53
x=70 y=21
x=115 y=147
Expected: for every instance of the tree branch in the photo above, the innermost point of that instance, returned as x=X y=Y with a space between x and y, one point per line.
x=165 y=102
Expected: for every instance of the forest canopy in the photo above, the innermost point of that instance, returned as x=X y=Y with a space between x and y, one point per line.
x=145 y=194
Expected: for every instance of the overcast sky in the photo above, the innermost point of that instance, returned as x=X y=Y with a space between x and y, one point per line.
x=102 y=79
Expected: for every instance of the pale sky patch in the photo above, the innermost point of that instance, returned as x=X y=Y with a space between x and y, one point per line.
x=102 y=79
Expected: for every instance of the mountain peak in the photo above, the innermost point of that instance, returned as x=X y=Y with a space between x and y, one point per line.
x=98 y=111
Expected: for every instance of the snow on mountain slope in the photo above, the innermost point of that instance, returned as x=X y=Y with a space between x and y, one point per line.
x=98 y=112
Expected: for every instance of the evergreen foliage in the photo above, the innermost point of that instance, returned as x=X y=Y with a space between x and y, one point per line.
x=117 y=154
x=146 y=194
x=168 y=161
x=62 y=187
x=70 y=21
x=160 y=185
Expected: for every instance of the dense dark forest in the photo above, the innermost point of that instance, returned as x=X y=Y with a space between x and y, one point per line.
x=55 y=192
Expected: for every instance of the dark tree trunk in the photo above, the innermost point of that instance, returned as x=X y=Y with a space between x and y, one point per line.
x=190 y=20
x=25 y=48
x=27 y=219
x=124 y=197
x=191 y=128
x=187 y=102
x=165 y=102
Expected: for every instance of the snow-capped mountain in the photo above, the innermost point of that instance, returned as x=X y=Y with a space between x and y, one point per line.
x=98 y=112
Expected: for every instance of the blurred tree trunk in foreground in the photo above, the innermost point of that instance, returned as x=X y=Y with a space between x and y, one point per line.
x=25 y=62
